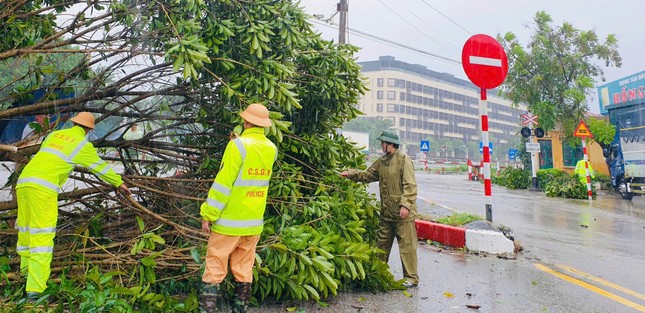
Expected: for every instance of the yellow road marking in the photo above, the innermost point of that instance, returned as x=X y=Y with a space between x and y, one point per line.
x=593 y=288
x=602 y=281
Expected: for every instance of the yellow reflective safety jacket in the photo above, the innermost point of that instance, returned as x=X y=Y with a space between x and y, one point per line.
x=238 y=196
x=582 y=171
x=61 y=151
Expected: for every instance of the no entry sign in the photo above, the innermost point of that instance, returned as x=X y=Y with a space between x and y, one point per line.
x=484 y=61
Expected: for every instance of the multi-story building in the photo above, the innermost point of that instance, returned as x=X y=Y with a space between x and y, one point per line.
x=426 y=104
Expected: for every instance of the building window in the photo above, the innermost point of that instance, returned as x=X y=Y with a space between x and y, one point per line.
x=546 y=154
x=391 y=95
x=392 y=119
x=379 y=95
x=379 y=107
x=401 y=122
x=571 y=155
x=393 y=82
x=392 y=108
x=379 y=82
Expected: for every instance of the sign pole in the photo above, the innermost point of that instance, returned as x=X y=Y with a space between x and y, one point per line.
x=486 y=65
x=586 y=158
x=534 y=156
x=582 y=132
x=483 y=111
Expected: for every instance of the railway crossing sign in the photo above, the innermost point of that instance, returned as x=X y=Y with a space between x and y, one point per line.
x=526 y=119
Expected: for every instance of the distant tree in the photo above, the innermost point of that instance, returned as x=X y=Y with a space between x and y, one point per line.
x=372 y=125
x=460 y=149
x=555 y=73
x=603 y=132
x=473 y=150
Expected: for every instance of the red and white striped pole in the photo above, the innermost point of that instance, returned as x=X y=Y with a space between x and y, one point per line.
x=470 y=170
x=483 y=110
x=586 y=158
x=486 y=65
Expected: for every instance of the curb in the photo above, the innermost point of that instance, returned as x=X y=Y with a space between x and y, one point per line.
x=487 y=241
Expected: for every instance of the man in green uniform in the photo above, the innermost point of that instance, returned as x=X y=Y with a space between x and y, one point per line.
x=398 y=188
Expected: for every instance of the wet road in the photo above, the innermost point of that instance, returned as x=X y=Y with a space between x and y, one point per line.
x=566 y=267
x=602 y=240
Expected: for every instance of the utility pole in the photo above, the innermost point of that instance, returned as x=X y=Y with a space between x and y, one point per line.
x=342 y=28
x=534 y=157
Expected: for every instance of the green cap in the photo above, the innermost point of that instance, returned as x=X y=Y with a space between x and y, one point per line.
x=389 y=136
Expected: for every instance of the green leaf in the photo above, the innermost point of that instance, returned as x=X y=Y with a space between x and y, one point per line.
x=140 y=223
x=147 y=261
x=157 y=239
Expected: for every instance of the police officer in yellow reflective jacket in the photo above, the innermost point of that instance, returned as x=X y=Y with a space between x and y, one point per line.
x=581 y=171
x=398 y=189
x=37 y=194
x=234 y=209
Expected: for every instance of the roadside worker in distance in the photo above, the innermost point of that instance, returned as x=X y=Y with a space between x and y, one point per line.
x=398 y=188
x=581 y=171
x=37 y=194
x=233 y=213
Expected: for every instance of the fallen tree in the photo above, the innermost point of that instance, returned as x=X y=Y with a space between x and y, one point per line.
x=181 y=70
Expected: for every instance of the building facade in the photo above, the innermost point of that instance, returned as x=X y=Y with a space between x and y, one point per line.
x=424 y=104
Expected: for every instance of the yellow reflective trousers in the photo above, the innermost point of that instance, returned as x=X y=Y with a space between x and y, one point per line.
x=36 y=223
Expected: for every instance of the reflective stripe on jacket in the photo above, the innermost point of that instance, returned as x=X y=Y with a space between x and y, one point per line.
x=238 y=196
x=581 y=171
x=58 y=154
x=397 y=184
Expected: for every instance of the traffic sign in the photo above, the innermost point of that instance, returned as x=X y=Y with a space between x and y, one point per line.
x=425 y=145
x=484 y=61
x=582 y=131
x=490 y=147
x=533 y=147
x=512 y=154
x=530 y=119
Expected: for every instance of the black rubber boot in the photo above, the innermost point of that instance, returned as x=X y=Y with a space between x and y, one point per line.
x=242 y=296
x=208 y=298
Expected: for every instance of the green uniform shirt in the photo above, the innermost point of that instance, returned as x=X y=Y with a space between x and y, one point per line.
x=397 y=185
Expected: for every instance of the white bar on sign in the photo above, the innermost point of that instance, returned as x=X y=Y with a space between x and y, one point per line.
x=485 y=61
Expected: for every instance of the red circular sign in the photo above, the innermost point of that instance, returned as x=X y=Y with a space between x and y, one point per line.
x=484 y=61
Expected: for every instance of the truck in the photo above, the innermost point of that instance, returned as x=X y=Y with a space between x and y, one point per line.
x=624 y=102
x=360 y=139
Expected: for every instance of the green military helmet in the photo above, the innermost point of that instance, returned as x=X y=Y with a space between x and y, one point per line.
x=389 y=136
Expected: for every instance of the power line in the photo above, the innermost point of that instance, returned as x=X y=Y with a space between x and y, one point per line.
x=408 y=22
x=393 y=43
x=428 y=4
x=438 y=31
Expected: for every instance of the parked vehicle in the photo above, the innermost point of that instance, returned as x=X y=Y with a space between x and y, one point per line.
x=626 y=154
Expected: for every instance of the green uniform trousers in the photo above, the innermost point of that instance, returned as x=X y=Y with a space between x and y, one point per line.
x=406 y=236
x=36 y=223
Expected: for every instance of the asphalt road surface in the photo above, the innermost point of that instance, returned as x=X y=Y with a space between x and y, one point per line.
x=579 y=256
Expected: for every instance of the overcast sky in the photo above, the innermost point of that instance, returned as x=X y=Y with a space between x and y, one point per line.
x=441 y=27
